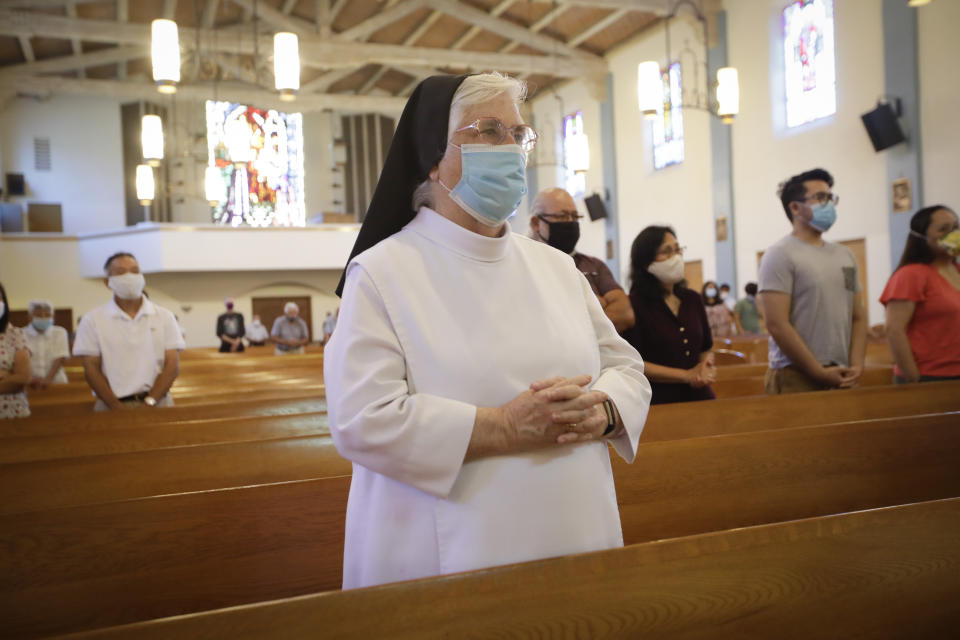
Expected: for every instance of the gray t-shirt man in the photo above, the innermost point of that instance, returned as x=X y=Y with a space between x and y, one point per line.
x=822 y=282
x=287 y=330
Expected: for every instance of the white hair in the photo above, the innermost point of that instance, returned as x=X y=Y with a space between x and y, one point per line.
x=291 y=306
x=475 y=89
x=39 y=304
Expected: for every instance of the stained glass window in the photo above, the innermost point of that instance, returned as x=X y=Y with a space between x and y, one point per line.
x=576 y=154
x=668 y=125
x=809 y=61
x=259 y=154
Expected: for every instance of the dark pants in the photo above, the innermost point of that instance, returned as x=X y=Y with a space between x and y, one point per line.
x=225 y=347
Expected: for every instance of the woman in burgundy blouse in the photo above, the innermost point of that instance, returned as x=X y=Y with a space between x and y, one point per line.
x=671 y=332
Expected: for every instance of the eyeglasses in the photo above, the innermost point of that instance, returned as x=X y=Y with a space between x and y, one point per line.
x=823 y=198
x=669 y=252
x=560 y=216
x=492 y=131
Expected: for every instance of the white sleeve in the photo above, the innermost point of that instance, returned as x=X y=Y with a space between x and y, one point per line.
x=61 y=348
x=172 y=338
x=415 y=438
x=621 y=377
x=87 y=342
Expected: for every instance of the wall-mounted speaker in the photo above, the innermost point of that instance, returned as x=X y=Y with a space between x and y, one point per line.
x=595 y=206
x=883 y=127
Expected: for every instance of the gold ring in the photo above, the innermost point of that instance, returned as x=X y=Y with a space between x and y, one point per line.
x=573 y=427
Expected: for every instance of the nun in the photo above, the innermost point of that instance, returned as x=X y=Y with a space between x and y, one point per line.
x=473 y=380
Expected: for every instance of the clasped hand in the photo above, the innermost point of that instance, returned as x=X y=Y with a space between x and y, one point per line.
x=558 y=410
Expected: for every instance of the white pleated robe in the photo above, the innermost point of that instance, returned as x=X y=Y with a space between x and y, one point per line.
x=436 y=321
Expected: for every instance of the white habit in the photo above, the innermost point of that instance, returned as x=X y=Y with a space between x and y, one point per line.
x=436 y=321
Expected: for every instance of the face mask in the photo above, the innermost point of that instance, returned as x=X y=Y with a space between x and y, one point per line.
x=723 y=295
x=951 y=243
x=41 y=324
x=493 y=181
x=229 y=306
x=668 y=271
x=710 y=293
x=564 y=235
x=128 y=286
x=824 y=215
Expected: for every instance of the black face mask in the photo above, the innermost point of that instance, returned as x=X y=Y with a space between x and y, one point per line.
x=564 y=235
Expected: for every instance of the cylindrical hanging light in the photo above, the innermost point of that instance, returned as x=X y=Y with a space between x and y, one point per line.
x=728 y=94
x=286 y=64
x=146 y=188
x=213 y=186
x=165 y=52
x=151 y=138
x=649 y=88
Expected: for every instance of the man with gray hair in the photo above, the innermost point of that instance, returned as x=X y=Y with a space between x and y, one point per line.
x=289 y=332
x=555 y=221
x=48 y=345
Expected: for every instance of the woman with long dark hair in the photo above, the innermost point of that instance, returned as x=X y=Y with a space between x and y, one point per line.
x=14 y=365
x=671 y=331
x=923 y=300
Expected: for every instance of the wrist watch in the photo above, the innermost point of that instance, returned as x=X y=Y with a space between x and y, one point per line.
x=149 y=401
x=611 y=417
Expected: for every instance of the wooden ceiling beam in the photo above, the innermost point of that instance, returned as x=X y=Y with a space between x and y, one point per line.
x=381 y=19
x=209 y=16
x=507 y=29
x=169 y=9
x=548 y=17
x=325 y=81
x=77 y=61
x=314 y=52
x=288 y=6
x=75 y=42
x=373 y=80
x=26 y=48
x=424 y=26
x=278 y=19
x=262 y=98
x=597 y=27
x=123 y=15
x=41 y=4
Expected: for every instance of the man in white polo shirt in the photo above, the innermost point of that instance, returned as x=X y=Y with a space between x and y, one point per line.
x=130 y=346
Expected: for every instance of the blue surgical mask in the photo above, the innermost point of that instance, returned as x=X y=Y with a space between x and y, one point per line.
x=493 y=181
x=41 y=324
x=824 y=215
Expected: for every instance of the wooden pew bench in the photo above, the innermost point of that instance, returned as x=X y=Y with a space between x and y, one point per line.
x=739 y=415
x=161 y=436
x=885 y=573
x=117 y=562
x=89 y=420
x=728 y=386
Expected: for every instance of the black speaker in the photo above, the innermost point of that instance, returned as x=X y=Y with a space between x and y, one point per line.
x=595 y=206
x=883 y=127
x=15 y=184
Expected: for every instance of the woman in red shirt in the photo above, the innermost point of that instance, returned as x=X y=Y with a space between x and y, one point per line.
x=923 y=301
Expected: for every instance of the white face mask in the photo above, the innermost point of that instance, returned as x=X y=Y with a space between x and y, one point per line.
x=668 y=271
x=128 y=286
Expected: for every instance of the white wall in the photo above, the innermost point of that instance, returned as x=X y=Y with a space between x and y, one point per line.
x=86 y=175
x=678 y=195
x=318 y=162
x=940 y=101
x=47 y=268
x=547 y=160
x=765 y=154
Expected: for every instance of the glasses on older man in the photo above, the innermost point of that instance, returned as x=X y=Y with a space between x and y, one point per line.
x=560 y=216
x=492 y=131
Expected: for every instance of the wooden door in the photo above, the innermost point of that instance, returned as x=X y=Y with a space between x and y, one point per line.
x=693 y=273
x=269 y=309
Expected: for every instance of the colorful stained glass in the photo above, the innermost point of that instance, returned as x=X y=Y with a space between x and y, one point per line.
x=259 y=154
x=809 y=58
x=576 y=154
x=668 y=125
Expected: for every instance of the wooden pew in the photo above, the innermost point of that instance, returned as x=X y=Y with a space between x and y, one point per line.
x=740 y=415
x=736 y=387
x=885 y=573
x=84 y=480
x=39 y=424
x=116 y=562
x=160 y=436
